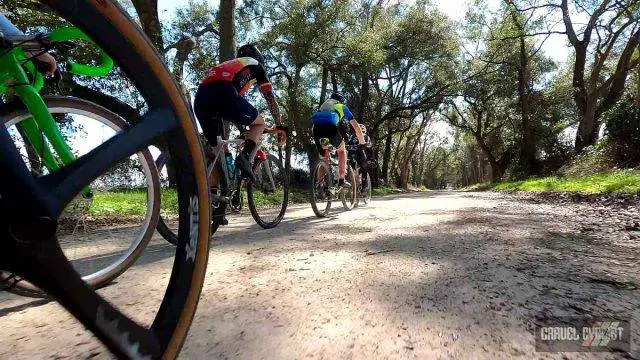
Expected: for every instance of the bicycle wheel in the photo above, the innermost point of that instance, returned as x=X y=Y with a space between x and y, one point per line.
x=162 y=329
x=99 y=246
x=321 y=185
x=349 y=197
x=237 y=198
x=365 y=189
x=269 y=194
x=168 y=203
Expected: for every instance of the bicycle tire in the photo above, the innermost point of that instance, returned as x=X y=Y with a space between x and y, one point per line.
x=283 y=206
x=12 y=115
x=328 y=177
x=169 y=117
x=350 y=202
x=163 y=229
x=366 y=198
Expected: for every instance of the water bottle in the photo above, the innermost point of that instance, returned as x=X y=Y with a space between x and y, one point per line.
x=231 y=167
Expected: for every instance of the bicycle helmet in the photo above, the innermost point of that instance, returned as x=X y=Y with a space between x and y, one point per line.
x=337 y=96
x=250 y=50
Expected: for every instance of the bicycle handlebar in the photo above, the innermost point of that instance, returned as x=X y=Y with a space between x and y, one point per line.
x=64 y=35
x=62 y=38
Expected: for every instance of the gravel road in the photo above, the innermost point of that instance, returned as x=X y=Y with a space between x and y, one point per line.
x=432 y=275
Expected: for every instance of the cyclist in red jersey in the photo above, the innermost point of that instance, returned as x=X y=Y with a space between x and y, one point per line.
x=219 y=97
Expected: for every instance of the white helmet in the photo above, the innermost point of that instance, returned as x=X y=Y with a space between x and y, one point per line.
x=363 y=128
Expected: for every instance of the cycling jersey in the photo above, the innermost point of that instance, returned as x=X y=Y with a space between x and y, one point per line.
x=331 y=112
x=241 y=73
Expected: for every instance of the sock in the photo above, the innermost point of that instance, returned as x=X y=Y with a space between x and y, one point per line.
x=249 y=145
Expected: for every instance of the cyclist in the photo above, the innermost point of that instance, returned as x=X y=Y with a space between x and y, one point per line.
x=365 y=154
x=7 y=29
x=325 y=125
x=220 y=96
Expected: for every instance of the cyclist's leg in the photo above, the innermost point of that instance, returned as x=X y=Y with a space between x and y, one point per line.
x=338 y=142
x=319 y=132
x=206 y=106
x=342 y=161
x=255 y=129
x=240 y=112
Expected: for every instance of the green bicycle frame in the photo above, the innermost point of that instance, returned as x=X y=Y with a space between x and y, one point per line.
x=14 y=70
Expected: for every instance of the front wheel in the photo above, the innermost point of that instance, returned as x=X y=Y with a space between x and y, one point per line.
x=169 y=203
x=321 y=185
x=269 y=194
x=104 y=229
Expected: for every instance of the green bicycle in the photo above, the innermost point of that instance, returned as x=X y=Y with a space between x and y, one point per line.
x=51 y=132
x=32 y=207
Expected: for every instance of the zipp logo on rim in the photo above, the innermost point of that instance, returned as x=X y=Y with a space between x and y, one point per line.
x=193 y=229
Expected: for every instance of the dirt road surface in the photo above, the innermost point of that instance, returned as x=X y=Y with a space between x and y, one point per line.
x=430 y=275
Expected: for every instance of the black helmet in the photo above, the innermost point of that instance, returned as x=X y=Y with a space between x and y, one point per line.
x=250 y=50
x=337 y=96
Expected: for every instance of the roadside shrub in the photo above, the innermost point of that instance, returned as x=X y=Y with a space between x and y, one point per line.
x=623 y=132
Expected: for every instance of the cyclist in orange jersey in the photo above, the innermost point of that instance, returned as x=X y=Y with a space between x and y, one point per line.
x=220 y=96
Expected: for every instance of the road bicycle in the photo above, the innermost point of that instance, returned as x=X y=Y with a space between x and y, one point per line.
x=31 y=206
x=324 y=184
x=36 y=125
x=271 y=183
x=356 y=156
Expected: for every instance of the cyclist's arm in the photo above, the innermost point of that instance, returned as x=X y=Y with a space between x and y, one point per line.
x=8 y=29
x=354 y=124
x=267 y=91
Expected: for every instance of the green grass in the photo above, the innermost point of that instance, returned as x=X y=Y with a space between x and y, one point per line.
x=124 y=203
x=132 y=203
x=383 y=190
x=620 y=181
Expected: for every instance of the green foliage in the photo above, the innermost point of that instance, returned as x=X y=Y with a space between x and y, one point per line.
x=623 y=131
x=621 y=181
x=593 y=160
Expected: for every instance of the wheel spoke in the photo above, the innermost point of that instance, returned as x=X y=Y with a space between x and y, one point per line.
x=64 y=184
x=46 y=267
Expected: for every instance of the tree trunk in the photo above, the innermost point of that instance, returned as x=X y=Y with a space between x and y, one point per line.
x=364 y=96
x=183 y=49
x=385 y=159
x=147 y=11
x=588 y=127
x=496 y=169
x=528 y=146
x=420 y=173
x=226 y=19
x=323 y=86
x=334 y=80
x=396 y=155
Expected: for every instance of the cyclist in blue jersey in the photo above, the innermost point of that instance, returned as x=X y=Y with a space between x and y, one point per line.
x=325 y=125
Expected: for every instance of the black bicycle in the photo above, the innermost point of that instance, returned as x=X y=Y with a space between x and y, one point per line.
x=359 y=162
x=324 y=185
x=30 y=205
x=268 y=195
